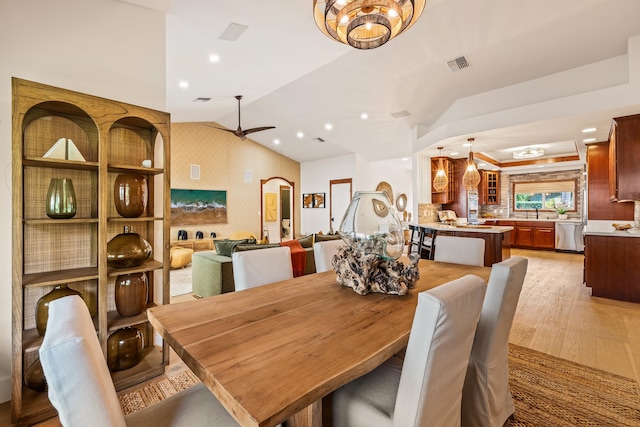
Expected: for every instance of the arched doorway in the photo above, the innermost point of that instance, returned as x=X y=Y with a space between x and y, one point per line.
x=277 y=209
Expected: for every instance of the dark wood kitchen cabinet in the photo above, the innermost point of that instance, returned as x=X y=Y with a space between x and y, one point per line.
x=611 y=267
x=490 y=188
x=532 y=234
x=624 y=158
x=448 y=194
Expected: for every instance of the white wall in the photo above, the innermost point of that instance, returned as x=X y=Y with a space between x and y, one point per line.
x=102 y=48
x=399 y=179
x=315 y=177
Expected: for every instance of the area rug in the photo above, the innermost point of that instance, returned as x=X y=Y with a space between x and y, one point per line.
x=547 y=391
x=156 y=390
x=180 y=281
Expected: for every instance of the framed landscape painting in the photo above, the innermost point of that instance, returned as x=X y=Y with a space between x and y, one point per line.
x=196 y=207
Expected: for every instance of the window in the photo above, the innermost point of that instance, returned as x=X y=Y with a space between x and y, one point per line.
x=544 y=195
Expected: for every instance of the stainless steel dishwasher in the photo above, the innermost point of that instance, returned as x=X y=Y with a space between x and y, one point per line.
x=569 y=236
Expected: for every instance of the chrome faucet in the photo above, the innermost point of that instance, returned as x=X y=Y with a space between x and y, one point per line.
x=536 y=213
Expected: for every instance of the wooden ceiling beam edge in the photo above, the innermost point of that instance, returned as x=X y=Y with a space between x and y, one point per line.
x=548 y=161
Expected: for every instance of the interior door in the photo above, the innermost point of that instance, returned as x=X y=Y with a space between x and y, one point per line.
x=340 y=194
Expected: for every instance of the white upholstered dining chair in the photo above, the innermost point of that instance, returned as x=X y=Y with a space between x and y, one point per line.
x=261 y=266
x=323 y=253
x=486 y=399
x=427 y=388
x=81 y=389
x=459 y=250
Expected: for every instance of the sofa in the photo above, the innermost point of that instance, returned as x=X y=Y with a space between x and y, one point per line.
x=212 y=271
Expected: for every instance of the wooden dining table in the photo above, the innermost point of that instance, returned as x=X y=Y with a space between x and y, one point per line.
x=271 y=353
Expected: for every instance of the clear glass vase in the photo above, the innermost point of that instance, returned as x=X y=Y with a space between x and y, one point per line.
x=372 y=226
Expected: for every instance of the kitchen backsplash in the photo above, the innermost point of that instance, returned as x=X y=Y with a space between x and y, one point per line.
x=503 y=210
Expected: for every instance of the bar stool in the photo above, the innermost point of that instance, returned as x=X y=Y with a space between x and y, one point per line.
x=428 y=243
x=415 y=241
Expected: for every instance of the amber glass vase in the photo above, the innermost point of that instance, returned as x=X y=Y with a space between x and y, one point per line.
x=34 y=377
x=131 y=293
x=130 y=195
x=124 y=348
x=61 y=199
x=42 y=306
x=127 y=249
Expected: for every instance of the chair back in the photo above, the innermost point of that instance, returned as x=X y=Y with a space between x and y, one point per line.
x=438 y=353
x=486 y=400
x=80 y=386
x=261 y=266
x=459 y=250
x=323 y=253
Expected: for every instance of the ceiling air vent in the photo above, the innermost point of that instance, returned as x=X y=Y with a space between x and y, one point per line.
x=318 y=139
x=400 y=114
x=233 y=32
x=202 y=100
x=458 y=63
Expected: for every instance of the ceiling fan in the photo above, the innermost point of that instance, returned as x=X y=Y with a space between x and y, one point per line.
x=242 y=134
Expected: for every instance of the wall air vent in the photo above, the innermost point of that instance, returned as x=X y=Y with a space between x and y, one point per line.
x=202 y=100
x=458 y=63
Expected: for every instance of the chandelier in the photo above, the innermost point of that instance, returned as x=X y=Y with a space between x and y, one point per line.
x=471 y=177
x=441 y=180
x=366 y=24
x=528 y=153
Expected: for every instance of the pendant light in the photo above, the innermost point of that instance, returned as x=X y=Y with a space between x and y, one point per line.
x=471 y=177
x=441 y=180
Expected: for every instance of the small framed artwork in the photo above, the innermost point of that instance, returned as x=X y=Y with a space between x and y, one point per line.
x=313 y=200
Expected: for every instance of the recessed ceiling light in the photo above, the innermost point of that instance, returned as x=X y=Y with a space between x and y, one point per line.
x=328 y=126
x=300 y=135
x=587 y=130
x=540 y=166
x=466 y=144
x=364 y=116
x=214 y=58
x=184 y=84
x=482 y=164
x=405 y=159
x=276 y=141
x=589 y=140
x=454 y=153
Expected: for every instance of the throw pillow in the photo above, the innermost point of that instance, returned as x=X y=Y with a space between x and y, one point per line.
x=225 y=247
x=249 y=247
x=325 y=237
x=306 y=242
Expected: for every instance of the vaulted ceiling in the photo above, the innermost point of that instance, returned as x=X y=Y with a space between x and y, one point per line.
x=293 y=77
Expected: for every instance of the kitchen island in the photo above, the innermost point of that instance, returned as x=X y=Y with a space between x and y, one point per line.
x=497 y=246
x=611 y=261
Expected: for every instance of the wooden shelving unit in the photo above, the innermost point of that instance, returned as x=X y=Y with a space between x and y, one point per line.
x=113 y=138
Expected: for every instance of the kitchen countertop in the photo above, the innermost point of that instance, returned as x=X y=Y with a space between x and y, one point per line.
x=468 y=227
x=604 y=228
x=533 y=219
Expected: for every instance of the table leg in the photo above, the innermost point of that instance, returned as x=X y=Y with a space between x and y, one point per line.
x=311 y=416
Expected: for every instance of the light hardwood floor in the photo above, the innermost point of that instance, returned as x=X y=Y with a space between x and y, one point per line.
x=556 y=315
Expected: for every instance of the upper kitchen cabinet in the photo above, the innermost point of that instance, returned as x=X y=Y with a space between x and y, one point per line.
x=624 y=158
x=448 y=194
x=490 y=188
